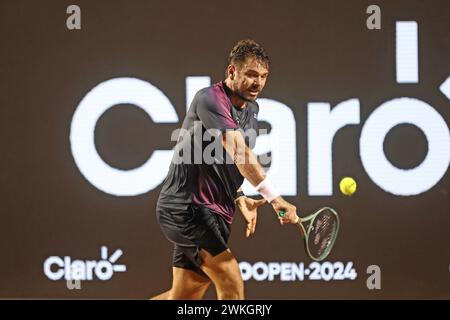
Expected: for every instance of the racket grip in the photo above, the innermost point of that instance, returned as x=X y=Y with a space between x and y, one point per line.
x=282 y=213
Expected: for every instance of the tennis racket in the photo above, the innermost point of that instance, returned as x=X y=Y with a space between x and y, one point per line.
x=319 y=231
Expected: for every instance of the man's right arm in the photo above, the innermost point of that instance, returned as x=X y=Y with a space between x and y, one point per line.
x=248 y=165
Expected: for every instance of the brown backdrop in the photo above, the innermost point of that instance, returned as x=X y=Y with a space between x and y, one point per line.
x=320 y=51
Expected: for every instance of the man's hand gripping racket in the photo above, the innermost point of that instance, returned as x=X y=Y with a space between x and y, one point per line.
x=319 y=229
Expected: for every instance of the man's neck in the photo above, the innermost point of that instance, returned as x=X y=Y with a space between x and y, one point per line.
x=235 y=99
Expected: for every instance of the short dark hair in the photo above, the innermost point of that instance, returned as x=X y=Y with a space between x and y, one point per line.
x=248 y=48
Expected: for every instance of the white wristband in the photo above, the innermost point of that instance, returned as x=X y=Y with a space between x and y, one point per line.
x=267 y=190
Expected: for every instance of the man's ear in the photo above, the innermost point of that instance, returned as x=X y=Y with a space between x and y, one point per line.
x=231 y=71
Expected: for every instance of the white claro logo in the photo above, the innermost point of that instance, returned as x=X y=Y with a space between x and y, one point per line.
x=57 y=268
x=323 y=122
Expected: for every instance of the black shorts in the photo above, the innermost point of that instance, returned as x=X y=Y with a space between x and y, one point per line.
x=191 y=230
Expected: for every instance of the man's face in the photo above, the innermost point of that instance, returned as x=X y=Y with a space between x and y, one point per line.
x=248 y=78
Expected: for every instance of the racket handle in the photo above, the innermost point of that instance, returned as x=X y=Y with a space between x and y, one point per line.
x=282 y=213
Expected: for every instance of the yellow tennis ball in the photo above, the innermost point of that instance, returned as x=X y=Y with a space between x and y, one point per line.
x=347 y=186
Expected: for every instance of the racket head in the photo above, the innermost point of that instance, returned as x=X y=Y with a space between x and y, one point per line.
x=321 y=233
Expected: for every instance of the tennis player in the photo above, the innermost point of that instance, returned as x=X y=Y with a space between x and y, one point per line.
x=198 y=199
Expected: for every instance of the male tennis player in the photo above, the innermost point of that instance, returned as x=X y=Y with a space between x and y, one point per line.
x=197 y=201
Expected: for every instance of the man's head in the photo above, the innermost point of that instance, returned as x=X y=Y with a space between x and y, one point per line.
x=248 y=69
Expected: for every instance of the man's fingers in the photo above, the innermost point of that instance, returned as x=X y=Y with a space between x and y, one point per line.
x=284 y=221
x=253 y=225
x=260 y=202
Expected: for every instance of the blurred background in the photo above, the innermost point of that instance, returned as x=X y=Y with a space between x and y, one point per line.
x=82 y=108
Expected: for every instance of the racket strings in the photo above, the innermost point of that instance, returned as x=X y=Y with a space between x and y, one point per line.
x=322 y=232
